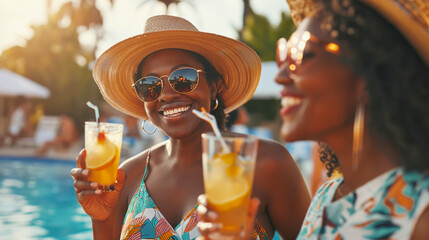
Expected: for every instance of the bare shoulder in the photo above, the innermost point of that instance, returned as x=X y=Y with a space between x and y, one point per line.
x=274 y=165
x=277 y=178
x=421 y=231
x=272 y=152
x=134 y=169
x=136 y=164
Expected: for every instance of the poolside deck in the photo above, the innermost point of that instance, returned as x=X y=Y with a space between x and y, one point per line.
x=30 y=151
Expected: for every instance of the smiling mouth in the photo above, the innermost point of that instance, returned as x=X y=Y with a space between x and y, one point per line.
x=175 y=111
x=289 y=102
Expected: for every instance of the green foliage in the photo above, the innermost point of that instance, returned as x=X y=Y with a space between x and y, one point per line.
x=50 y=58
x=260 y=35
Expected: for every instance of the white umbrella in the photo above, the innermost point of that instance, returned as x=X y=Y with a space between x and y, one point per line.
x=12 y=84
x=267 y=88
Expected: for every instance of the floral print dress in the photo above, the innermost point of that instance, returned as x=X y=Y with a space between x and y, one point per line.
x=386 y=207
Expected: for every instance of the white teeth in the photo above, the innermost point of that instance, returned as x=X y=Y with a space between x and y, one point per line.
x=290 y=102
x=175 y=111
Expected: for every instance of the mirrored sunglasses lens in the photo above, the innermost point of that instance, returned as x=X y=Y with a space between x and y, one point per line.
x=184 y=80
x=148 y=88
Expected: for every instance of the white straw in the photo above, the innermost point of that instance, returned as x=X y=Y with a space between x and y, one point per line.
x=212 y=120
x=97 y=115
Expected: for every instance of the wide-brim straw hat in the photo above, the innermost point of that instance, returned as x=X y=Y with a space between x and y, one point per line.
x=410 y=17
x=114 y=71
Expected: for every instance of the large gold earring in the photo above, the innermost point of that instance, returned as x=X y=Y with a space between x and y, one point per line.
x=358 y=129
x=216 y=105
x=144 y=130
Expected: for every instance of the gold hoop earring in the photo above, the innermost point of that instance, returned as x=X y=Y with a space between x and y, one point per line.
x=358 y=129
x=144 y=130
x=216 y=104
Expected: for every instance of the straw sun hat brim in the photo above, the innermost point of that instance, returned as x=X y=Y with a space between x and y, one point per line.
x=115 y=69
x=410 y=17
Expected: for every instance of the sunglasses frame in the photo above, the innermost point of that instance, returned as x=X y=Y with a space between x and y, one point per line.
x=292 y=51
x=169 y=83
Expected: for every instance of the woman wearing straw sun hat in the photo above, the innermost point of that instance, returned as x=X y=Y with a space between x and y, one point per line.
x=355 y=76
x=156 y=192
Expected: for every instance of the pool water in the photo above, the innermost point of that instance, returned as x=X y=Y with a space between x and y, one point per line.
x=37 y=201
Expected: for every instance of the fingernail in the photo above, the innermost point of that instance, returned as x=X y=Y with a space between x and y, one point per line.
x=85 y=172
x=98 y=191
x=212 y=215
x=94 y=184
x=217 y=225
x=202 y=209
x=202 y=199
x=205 y=225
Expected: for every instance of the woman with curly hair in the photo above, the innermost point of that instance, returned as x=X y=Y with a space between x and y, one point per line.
x=355 y=77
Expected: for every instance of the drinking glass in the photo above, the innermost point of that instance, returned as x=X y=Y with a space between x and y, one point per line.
x=103 y=147
x=228 y=172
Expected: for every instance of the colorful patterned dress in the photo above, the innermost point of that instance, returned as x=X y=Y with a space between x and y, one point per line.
x=387 y=207
x=143 y=220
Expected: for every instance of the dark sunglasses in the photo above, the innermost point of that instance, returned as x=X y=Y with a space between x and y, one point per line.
x=292 y=51
x=182 y=80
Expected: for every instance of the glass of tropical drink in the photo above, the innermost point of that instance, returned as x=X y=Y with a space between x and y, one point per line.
x=228 y=169
x=103 y=147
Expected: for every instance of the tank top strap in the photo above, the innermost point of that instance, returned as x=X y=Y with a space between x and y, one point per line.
x=147 y=166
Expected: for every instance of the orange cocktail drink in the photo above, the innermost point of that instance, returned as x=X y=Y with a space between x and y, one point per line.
x=103 y=147
x=228 y=177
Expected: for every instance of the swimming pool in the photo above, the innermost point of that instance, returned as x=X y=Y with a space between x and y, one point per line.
x=37 y=201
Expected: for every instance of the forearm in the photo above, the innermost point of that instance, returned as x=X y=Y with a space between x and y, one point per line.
x=106 y=230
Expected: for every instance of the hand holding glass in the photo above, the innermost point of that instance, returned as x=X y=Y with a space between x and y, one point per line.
x=228 y=178
x=103 y=146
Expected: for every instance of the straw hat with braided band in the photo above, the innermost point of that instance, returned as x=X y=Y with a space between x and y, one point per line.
x=115 y=69
x=410 y=17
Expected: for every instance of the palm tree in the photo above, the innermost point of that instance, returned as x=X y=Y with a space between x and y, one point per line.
x=247 y=11
x=55 y=58
x=83 y=17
